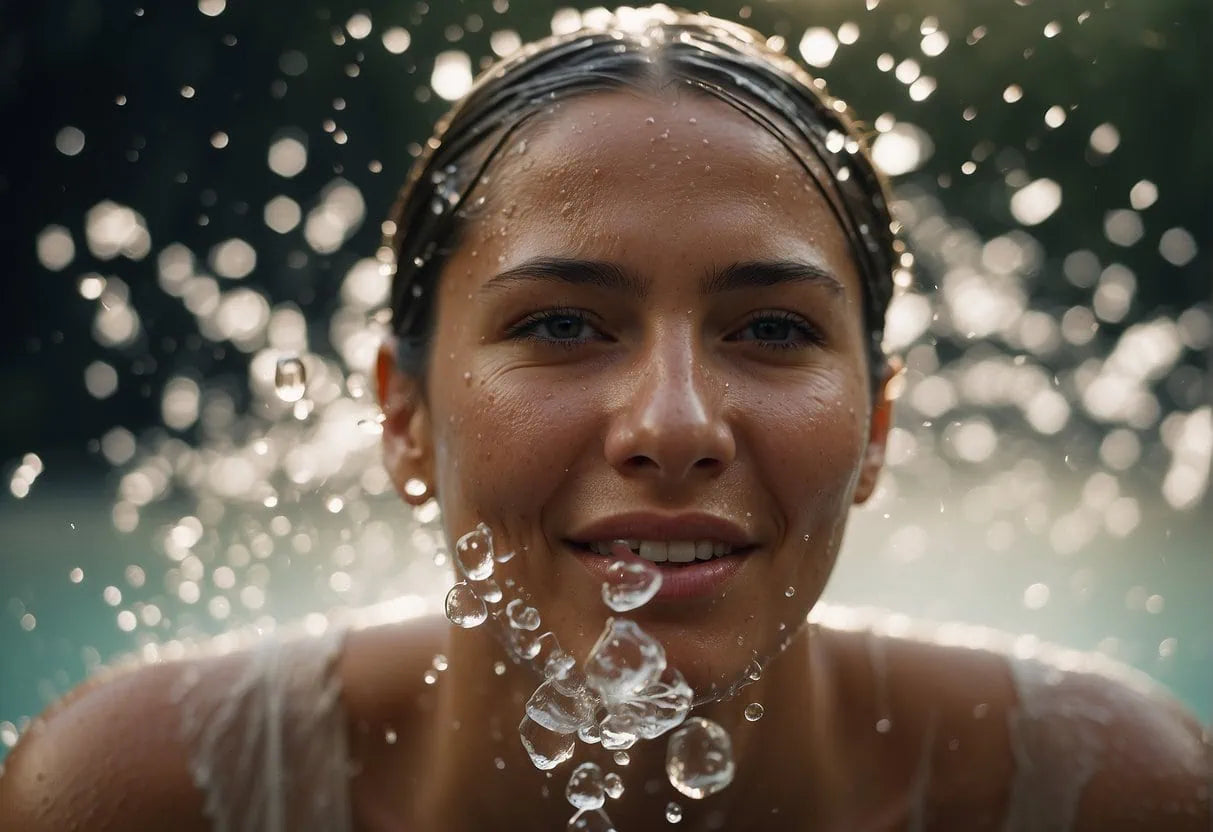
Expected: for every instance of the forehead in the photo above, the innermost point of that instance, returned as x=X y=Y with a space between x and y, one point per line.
x=633 y=175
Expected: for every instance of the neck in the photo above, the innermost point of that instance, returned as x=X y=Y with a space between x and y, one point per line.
x=786 y=762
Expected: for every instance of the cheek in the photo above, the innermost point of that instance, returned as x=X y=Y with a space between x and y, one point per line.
x=508 y=445
x=811 y=442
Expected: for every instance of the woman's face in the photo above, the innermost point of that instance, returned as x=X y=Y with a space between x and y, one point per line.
x=651 y=330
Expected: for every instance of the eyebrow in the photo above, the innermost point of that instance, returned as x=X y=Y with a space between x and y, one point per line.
x=607 y=275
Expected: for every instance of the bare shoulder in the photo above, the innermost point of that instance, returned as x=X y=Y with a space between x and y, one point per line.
x=1152 y=764
x=109 y=756
x=1002 y=733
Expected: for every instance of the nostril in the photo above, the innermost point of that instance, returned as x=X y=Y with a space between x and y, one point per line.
x=707 y=462
x=641 y=461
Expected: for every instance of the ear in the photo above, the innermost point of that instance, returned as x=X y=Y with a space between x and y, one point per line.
x=878 y=432
x=408 y=449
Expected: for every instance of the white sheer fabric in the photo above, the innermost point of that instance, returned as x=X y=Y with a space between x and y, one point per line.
x=267 y=745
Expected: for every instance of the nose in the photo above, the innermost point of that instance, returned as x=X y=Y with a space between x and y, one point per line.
x=671 y=426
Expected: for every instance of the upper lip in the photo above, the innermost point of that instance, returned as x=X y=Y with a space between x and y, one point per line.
x=643 y=525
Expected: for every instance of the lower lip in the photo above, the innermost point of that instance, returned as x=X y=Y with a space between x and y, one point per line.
x=699 y=579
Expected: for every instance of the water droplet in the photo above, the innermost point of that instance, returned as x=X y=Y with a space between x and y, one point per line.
x=474 y=553
x=464 y=608
x=590 y=820
x=503 y=557
x=547 y=749
x=673 y=812
x=586 y=789
x=754 y=671
x=624 y=660
x=440 y=662
x=290 y=379
x=499 y=668
x=754 y=711
x=789 y=592
x=429 y=677
x=490 y=591
x=622 y=758
x=561 y=706
x=389 y=736
x=613 y=783
x=699 y=758
x=883 y=726
x=630 y=584
x=521 y=616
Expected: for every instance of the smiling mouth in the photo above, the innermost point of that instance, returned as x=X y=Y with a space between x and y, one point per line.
x=667 y=553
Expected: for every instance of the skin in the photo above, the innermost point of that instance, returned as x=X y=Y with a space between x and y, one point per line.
x=667 y=403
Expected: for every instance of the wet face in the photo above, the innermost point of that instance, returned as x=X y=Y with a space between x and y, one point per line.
x=652 y=330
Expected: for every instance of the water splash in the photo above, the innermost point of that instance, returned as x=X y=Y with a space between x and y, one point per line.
x=464 y=607
x=699 y=759
x=630 y=584
x=586 y=788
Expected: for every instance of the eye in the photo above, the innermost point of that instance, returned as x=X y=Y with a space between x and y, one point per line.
x=560 y=326
x=779 y=330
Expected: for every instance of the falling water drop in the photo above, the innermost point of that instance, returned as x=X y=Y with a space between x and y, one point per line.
x=754 y=671
x=586 y=789
x=474 y=553
x=630 y=584
x=613 y=785
x=789 y=592
x=521 y=616
x=754 y=711
x=464 y=608
x=290 y=379
x=490 y=591
x=622 y=758
x=547 y=749
x=673 y=812
x=699 y=758
x=590 y=820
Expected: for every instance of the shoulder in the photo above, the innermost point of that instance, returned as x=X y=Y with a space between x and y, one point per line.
x=1147 y=761
x=108 y=757
x=1017 y=735
x=151 y=746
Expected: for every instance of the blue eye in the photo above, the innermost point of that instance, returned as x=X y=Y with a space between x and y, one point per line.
x=779 y=330
x=559 y=326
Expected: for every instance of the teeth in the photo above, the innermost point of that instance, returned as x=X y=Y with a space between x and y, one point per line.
x=673 y=551
x=657 y=551
x=682 y=551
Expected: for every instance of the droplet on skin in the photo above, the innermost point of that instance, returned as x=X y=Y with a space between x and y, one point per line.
x=789 y=592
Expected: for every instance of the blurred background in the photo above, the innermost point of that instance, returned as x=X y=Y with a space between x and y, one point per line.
x=192 y=196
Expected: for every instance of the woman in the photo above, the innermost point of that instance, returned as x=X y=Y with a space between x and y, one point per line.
x=642 y=275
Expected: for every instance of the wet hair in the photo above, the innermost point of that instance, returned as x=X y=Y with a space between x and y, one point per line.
x=713 y=57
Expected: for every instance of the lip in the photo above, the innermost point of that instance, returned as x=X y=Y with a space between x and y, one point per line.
x=699 y=579
x=653 y=526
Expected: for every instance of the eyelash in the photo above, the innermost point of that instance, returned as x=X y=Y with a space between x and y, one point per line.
x=526 y=328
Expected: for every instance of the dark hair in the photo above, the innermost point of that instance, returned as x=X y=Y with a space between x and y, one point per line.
x=715 y=57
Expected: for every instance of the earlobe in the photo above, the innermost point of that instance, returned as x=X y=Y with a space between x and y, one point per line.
x=407 y=444
x=878 y=432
